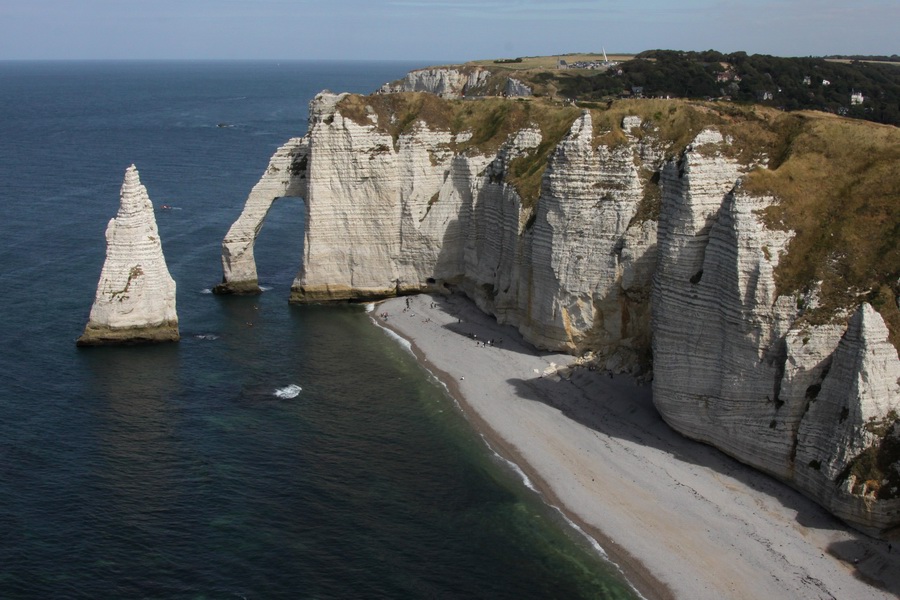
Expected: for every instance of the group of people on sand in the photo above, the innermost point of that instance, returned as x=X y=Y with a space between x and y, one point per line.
x=484 y=344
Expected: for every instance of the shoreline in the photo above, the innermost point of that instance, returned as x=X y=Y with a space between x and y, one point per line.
x=636 y=573
x=678 y=518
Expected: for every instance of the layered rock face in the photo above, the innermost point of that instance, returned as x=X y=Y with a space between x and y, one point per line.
x=447 y=82
x=852 y=419
x=735 y=364
x=135 y=300
x=390 y=217
x=450 y=82
x=736 y=367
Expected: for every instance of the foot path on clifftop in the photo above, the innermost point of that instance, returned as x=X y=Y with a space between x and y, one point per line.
x=681 y=519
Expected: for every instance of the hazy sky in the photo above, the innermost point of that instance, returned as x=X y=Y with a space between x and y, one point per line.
x=439 y=30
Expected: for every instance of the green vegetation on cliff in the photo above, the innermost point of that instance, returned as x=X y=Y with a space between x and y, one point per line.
x=874 y=468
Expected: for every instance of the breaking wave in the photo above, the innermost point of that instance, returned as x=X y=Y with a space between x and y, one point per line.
x=288 y=391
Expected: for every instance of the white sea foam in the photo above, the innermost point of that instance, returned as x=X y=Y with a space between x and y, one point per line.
x=516 y=470
x=265 y=288
x=206 y=336
x=400 y=340
x=590 y=539
x=206 y=291
x=370 y=306
x=288 y=391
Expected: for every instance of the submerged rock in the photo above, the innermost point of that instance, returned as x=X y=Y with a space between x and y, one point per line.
x=135 y=301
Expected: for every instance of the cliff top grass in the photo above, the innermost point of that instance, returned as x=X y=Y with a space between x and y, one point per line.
x=839 y=191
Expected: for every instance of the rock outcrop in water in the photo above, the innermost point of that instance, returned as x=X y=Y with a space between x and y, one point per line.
x=135 y=300
x=623 y=220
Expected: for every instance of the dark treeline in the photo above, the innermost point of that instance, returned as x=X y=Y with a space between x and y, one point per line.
x=787 y=83
x=880 y=58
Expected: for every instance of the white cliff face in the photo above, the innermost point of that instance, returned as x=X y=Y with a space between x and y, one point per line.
x=850 y=411
x=135 y=300
x=441 y=81
x=390 y=217
x=588 y=201
x=376 y=219
x=515 y=88
x=450 y=82
x=734 y=363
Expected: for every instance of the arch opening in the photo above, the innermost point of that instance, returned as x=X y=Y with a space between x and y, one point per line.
x=279 y=244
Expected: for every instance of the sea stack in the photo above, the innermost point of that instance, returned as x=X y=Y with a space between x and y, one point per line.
x=135 y=301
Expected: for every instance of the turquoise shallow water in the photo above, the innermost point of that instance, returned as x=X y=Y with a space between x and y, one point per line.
x=176 y=471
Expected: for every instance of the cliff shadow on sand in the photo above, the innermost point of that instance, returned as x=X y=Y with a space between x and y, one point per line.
x=468 y=326
x=615 y=406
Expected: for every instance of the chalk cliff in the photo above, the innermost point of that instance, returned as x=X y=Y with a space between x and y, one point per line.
x=598 y=232
x=735 y=366
x=456 y=82
x=135 y=300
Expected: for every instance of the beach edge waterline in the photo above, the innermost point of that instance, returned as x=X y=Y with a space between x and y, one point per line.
x=635 y=572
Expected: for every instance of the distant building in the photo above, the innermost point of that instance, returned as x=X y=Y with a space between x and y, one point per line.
x=764 y=95
x=807 y=80
x=826 y=82
x=856 y=98
x=637 y=91
x=562 y=65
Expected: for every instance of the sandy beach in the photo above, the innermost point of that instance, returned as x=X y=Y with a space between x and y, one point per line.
x=681 y=519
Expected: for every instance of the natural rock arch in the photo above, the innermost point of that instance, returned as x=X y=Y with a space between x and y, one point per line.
x=285 y=176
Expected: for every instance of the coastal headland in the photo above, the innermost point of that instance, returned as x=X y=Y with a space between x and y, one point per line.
x=680 y=519
x=694 y=244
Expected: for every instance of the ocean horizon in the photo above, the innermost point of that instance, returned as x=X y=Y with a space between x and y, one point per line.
x=277 y=451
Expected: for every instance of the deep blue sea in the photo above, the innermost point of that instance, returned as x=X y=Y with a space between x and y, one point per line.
x=175 y=471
